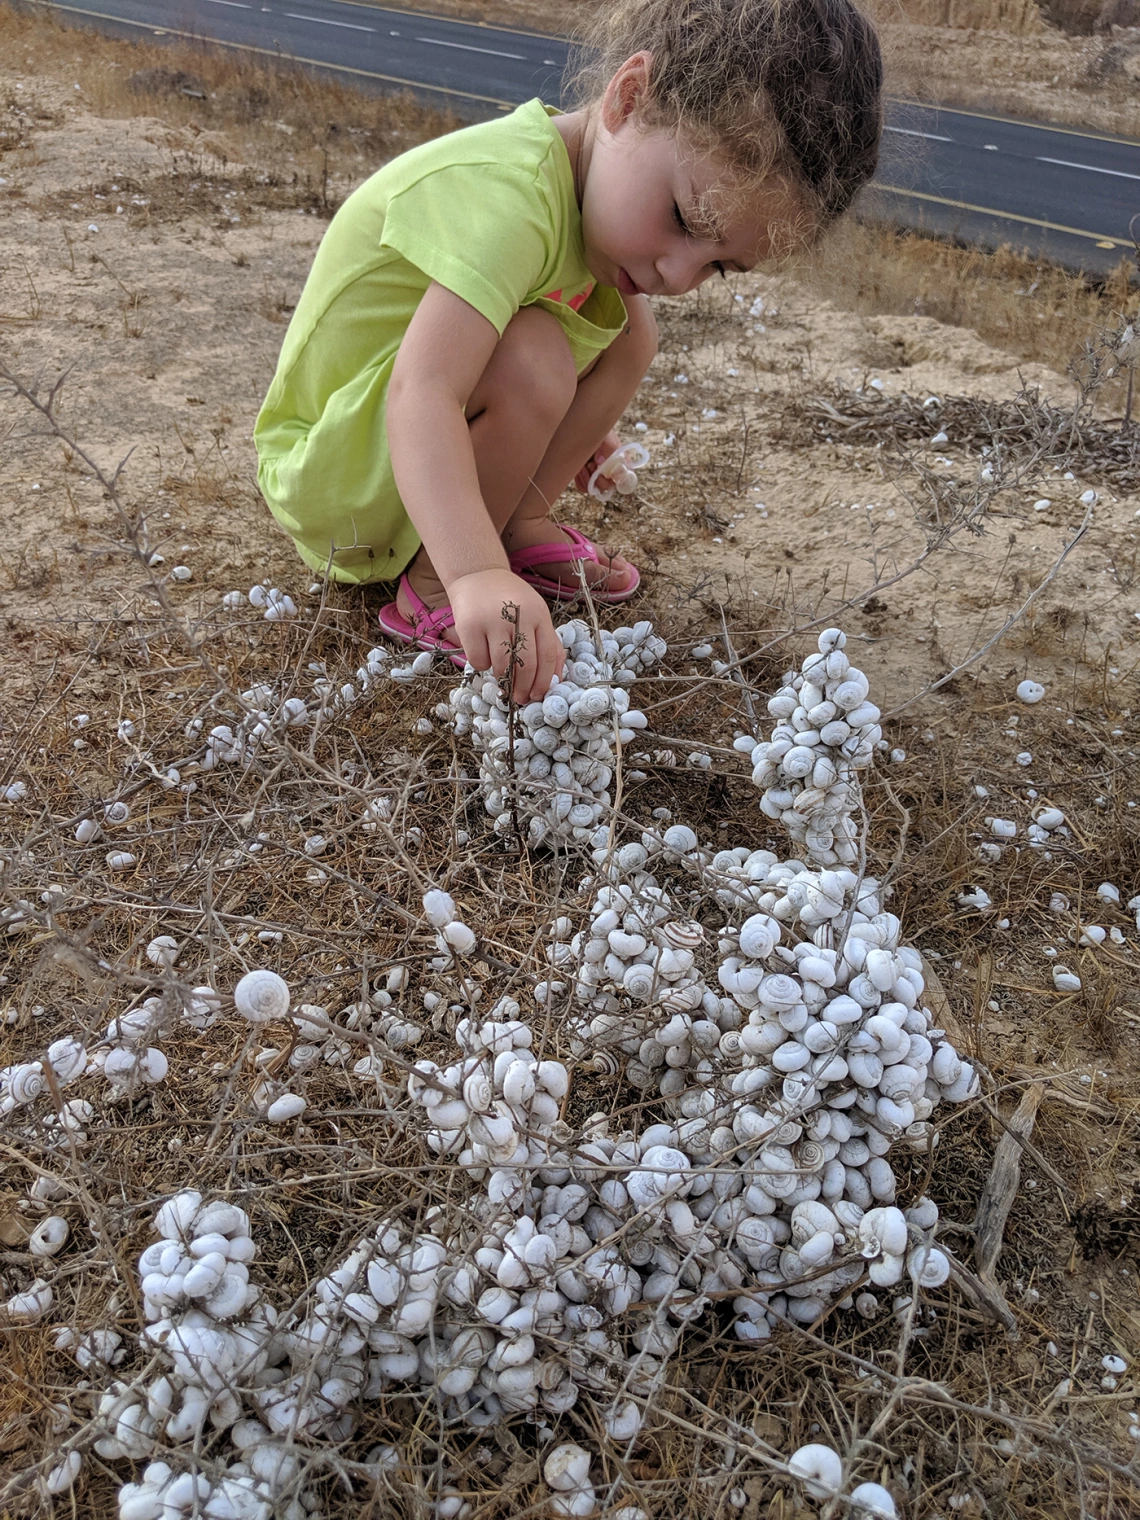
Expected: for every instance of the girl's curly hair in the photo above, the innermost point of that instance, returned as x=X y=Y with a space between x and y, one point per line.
x=785 y=87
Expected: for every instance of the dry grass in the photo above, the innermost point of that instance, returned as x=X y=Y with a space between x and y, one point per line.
x=1031 y=309
x=268 y=111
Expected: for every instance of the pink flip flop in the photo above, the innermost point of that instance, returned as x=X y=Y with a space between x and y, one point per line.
x=524 y=562
x=426 y=631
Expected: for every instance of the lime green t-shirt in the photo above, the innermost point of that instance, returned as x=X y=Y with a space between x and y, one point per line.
x=489 y=212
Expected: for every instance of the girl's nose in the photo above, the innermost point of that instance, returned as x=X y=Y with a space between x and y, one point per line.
x=683 y=271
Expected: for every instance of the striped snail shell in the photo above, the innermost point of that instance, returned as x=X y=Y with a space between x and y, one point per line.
x=682 y=934
x=26 y=1082
x=604 y=1062
x=683 y=999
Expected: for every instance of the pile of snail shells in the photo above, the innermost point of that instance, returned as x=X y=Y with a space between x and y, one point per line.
x=552 y=762
x=127 y=1058
x=205 y=1321
x=812 y=1066
x=791 y=1049
x=826 y=730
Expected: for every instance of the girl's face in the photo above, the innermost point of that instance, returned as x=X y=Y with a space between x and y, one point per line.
x=652 y=218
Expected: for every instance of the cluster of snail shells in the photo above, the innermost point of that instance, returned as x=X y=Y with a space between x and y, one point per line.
x=265 y=715
x=127 y=1059
x=804 y=1074
x=360 y=1335
x=532 y=1270
x=826 y=730
x=203 y=1317
x=162 y=1493
x=636 y=968
x=483 y=1105
x=552 y=761
x=25 y=1081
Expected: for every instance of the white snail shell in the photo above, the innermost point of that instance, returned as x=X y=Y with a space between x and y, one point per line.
x=261 y=996
x=640 y=982
x=32 y=1304
x=62 y=1477
x=439 y=908
x=287 y=1106
x=68 y=1059
x=478 y=1091
x=928 y=1266
x=567 y=1467
x=819 y=1467
x=49 y=1236
x=759 y=935
x=162 y=951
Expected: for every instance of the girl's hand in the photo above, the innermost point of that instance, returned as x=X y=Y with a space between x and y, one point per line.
x=478 y=601
x=609 y=445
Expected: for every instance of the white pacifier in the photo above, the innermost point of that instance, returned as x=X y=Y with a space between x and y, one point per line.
x=619 y=468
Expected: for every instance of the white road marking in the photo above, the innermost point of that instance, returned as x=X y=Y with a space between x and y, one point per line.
x=465 y=48
x=233 y=4
x=320 y=20
x=906 y=132
x=1092 y=168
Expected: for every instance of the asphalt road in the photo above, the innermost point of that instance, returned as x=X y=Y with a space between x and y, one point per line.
x=1064 y=195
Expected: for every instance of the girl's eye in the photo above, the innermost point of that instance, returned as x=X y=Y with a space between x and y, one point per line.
x=688 y=231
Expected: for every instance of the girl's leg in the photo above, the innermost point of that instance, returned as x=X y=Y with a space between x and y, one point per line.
x=601 y=397
x=534 y=423
x=513 y=413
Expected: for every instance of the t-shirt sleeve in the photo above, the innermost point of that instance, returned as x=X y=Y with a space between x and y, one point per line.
x=484 y=231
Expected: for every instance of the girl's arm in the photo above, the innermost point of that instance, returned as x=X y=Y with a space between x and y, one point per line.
x=444 y=352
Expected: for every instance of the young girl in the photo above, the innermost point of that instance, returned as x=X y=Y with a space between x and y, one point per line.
x=476 y=319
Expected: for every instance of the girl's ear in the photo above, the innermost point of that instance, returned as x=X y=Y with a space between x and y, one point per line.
x=626 y=90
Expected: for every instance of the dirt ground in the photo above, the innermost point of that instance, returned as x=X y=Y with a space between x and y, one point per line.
x=154 y=268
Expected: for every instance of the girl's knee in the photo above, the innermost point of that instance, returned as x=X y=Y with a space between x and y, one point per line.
x=532 y=361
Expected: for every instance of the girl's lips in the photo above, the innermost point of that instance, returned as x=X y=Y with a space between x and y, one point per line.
x=625 y=285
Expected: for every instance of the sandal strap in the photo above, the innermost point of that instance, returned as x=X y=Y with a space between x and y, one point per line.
x=578 y=549
x=427 y=622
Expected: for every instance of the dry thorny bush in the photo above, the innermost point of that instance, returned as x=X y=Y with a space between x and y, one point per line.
x=1017 y=436
x=957 y=1414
